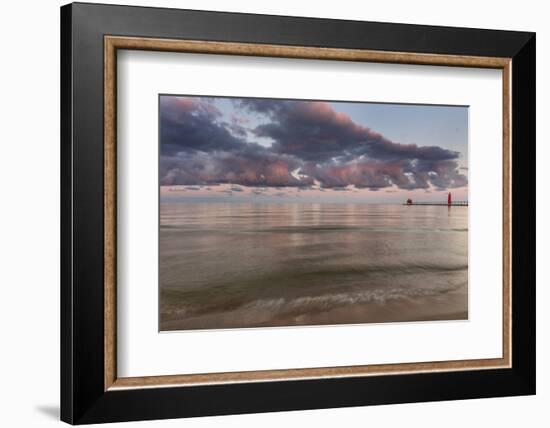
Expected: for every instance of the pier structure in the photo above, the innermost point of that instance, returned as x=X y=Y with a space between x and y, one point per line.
x=449 y=203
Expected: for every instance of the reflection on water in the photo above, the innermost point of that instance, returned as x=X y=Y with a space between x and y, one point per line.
x=249 y=265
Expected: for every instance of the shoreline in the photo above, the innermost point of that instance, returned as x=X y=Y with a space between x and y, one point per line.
x=448 y=307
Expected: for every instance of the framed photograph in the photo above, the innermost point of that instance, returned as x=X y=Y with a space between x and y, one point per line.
x=266 y=213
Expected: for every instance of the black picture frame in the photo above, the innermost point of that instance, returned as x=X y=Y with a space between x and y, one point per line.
x=83 y=397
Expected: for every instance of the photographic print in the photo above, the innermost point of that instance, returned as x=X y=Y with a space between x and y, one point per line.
x=288 y=212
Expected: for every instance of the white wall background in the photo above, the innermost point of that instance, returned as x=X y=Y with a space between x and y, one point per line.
x=29 y=213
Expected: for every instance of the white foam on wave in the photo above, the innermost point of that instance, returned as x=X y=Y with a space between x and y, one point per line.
x=328 y=301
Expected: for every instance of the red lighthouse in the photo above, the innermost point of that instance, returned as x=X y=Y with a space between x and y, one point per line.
x=449 y=201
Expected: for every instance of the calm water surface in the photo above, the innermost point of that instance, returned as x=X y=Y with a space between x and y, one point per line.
x=249 y=265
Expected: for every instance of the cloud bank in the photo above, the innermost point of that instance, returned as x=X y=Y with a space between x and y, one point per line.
x=305 y=144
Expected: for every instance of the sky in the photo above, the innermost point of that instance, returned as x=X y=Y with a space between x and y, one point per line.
x=220 y=149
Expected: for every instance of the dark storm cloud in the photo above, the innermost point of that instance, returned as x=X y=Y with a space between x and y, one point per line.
x=256 y=168
x=311 y=143
x=314 y=131
x=188 y=125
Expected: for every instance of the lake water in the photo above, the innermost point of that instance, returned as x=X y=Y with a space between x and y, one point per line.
x=254 y=265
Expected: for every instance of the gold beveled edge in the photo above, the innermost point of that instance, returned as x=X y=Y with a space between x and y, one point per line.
x=109 y=212
x=302 y=52
x=307 y=373
x=507 y=212
x=112 y=43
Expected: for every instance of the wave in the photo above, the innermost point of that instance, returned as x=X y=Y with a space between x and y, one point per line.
x=330 y=301
x=294 y=294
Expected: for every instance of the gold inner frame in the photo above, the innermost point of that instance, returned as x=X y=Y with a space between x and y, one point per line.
x=113 y=43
